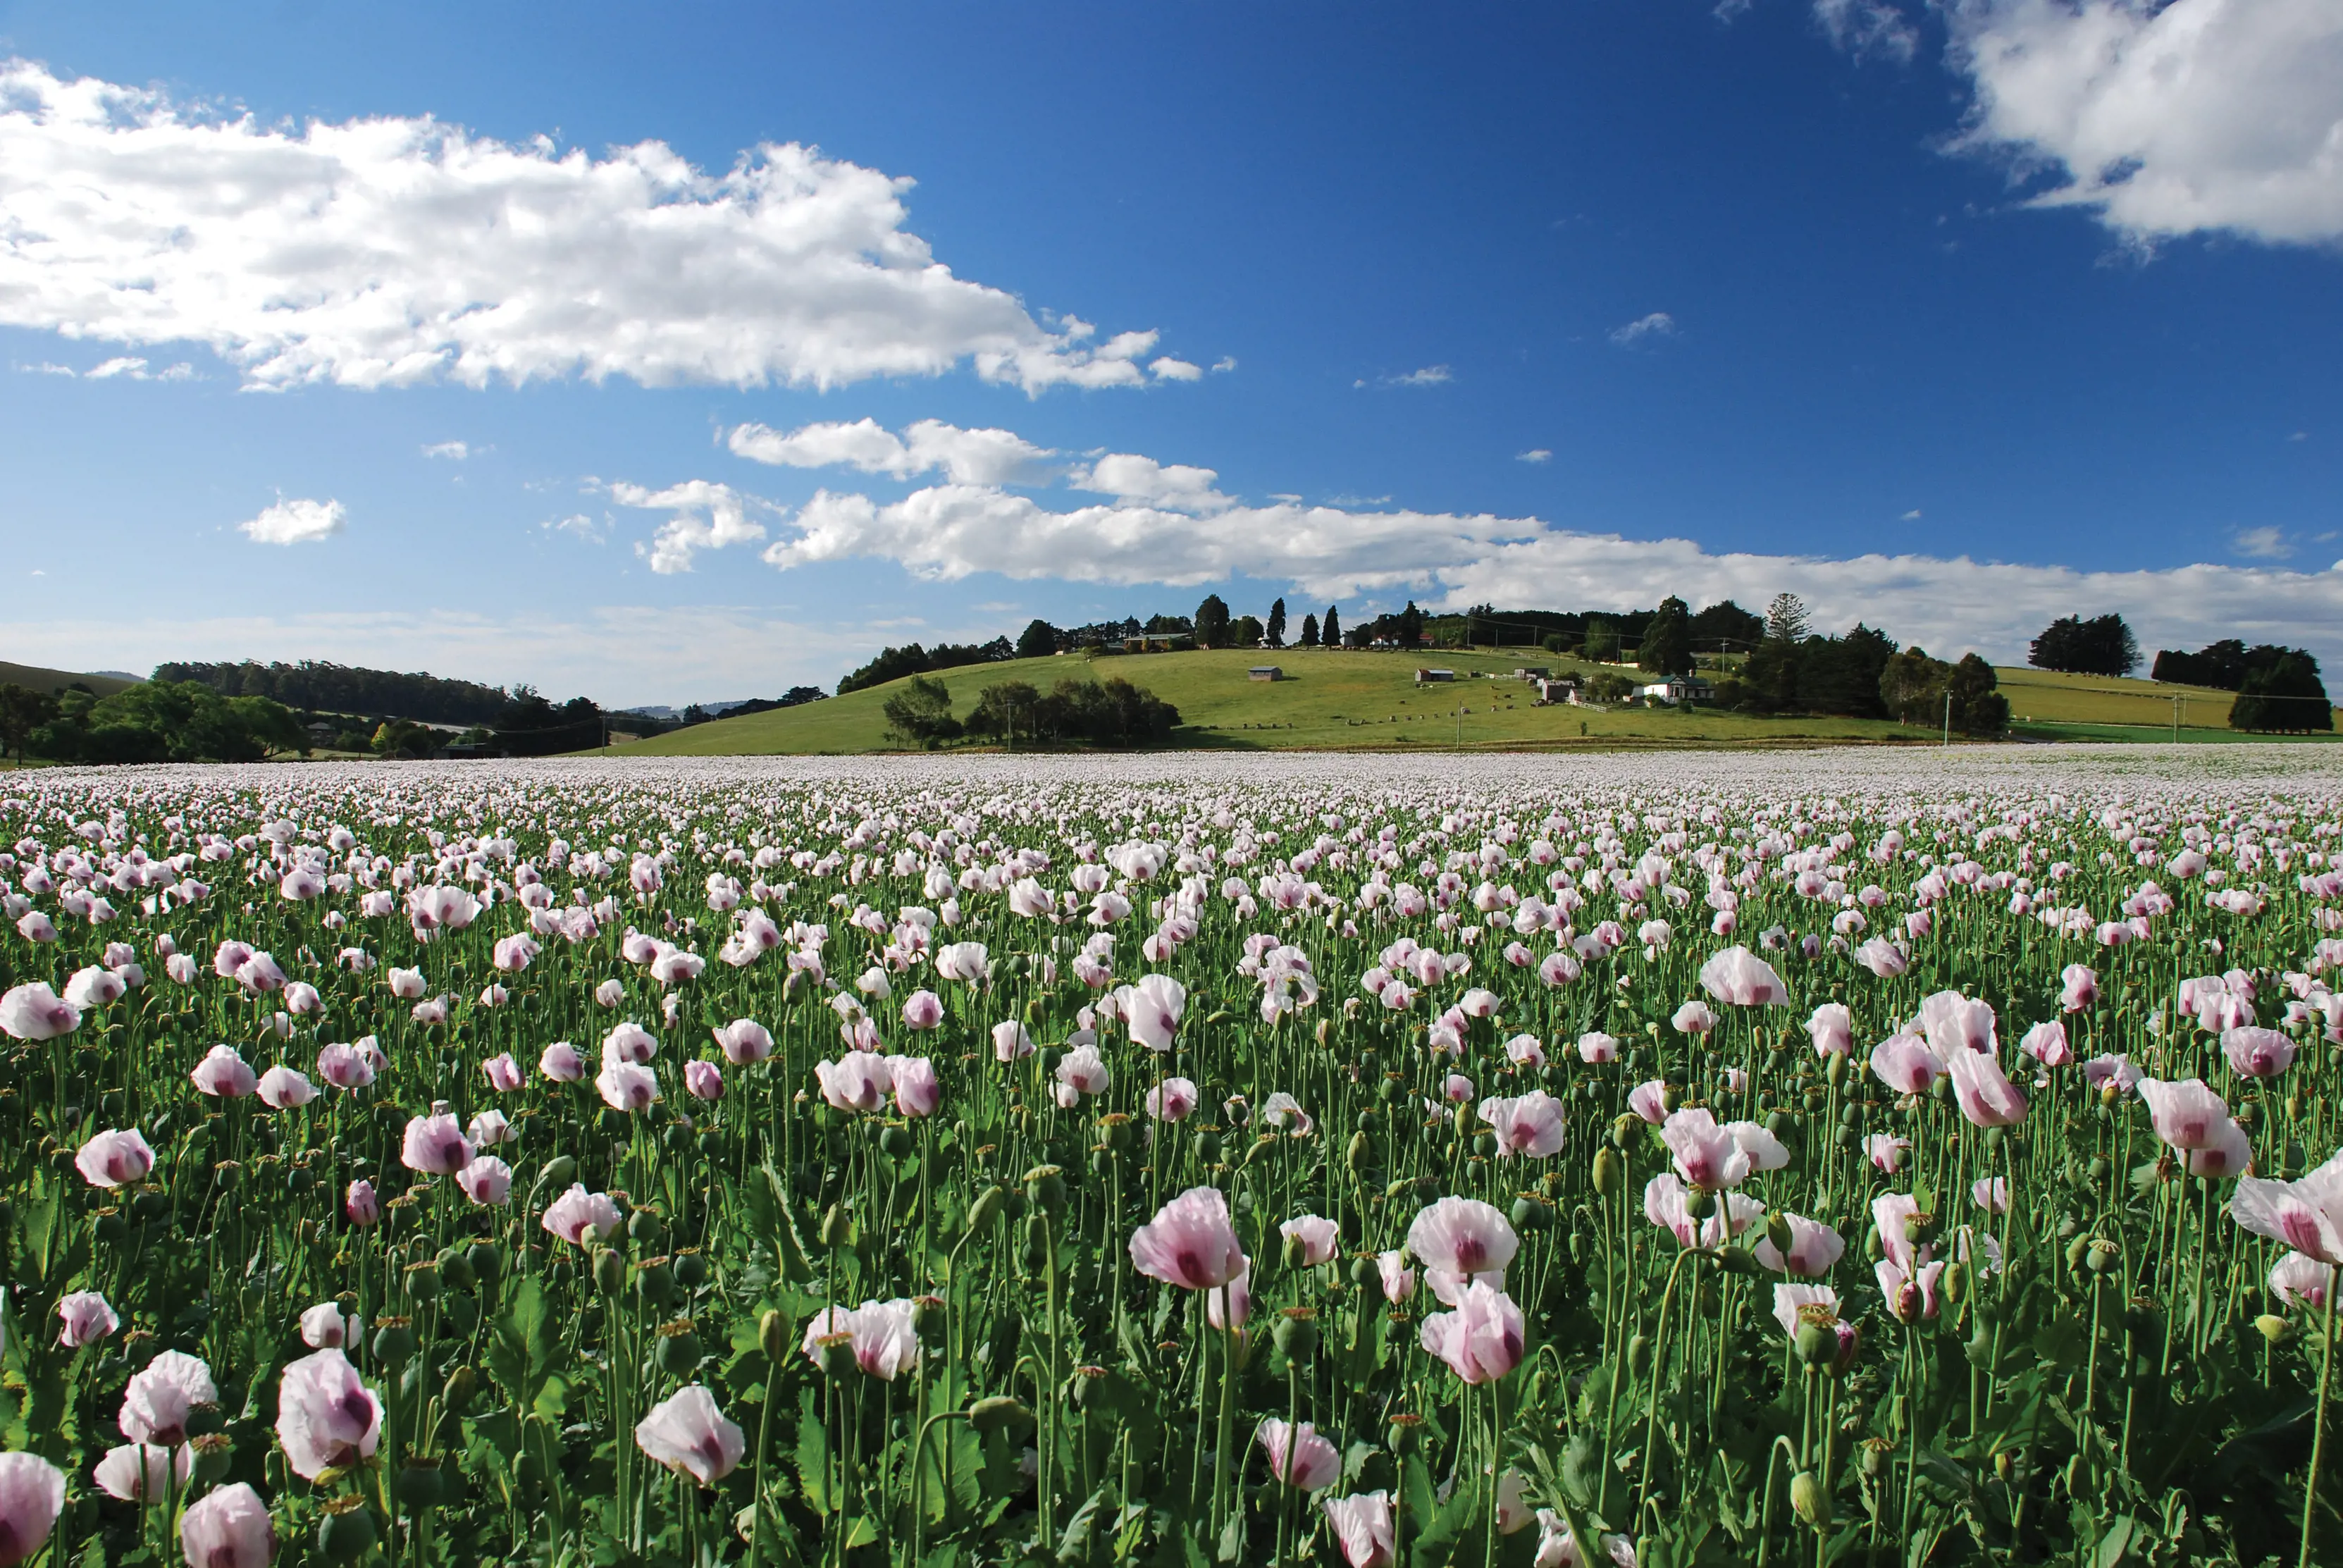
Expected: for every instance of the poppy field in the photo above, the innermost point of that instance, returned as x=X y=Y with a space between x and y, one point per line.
x=1795 y=1160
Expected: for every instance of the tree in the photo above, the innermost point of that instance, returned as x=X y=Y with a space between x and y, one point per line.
x=1785 y=619
x=1309 y=638
x=1912 y=687
x=1608 y=686
x=1274 y=634
x=1407 y=627
x=923 y=712
x=1481 y=626
x=1004 y=709
x=2103 y=645
x=1601 y=643
x=1244 y=632
x=1666 y=648
x=22 y=711
x=1725 y=627
x=1331 y=636
x=1977 y=707
x=1039 y=640
x=1212 y=622
x=2287 y=696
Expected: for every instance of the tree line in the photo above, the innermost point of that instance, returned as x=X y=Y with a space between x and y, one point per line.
x=1110 y=715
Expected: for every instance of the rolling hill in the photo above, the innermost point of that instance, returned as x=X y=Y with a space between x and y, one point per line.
x=1330 y=700
x=41 y=679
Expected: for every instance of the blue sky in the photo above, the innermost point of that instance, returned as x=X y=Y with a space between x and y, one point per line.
x=1954 y=320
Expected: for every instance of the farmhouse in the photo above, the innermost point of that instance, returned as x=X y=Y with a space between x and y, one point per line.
x=1677 y=689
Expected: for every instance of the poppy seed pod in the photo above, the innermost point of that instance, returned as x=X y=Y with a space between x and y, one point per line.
x=1872 y=1454
x=679 y=1350
x=423 y=1280
x=347 y=1532
x=1296 y=1335
x=420 y=1485
x=1405 y=1433
x=1625 y=1128
x=455 y=1269
x=1045 y=1187
x=1816 y=1343
x=213 y=1455
x=2103 y=1255
x=393 y=1341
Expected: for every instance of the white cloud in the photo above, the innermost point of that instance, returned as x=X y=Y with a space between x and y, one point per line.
x=1170 y=370
x=578 y=525
x=455 y=451
x=1134 y=481
x=987 y=456
x=128 y=367
x=1658 y=324
x=2200 y=114
x=396 y=250
x=1430 y=375
x=49 y=368
x=2266 y=544
x=1225 y=362
x=1911 y=516
x=295 y=522
x=1865 y=28
x=1534 y=454
x=702 y=515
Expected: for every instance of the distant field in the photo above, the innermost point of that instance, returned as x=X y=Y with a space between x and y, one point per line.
x=1328 y=702
x=41 y=679
x=2045 y=698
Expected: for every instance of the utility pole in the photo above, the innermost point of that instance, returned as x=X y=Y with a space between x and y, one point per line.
x=1948 y=716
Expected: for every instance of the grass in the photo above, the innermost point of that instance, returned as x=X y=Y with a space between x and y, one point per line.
x=1330 y=701
x=2045 y=697
x=38 y=679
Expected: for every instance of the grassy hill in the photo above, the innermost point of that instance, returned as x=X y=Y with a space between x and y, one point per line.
x=1327 y=701
x=41 y=679
x=2107 y=708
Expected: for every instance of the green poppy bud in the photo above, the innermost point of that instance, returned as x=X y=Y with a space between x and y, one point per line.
x=1001 y=1412
x=1809 y=1500
x=1610 y=1170
x=2273 y=1329
x=985 y=1210
x=609 y=1270
x=773 y=1334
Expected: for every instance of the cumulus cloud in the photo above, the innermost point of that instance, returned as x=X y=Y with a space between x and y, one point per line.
x=295 y=522
x=1534 y=454
x=702 y=515
x=1134 y=481
x=392 y=250
x=985 y=456
x=1171 y=369
x=1658 y=324
x=454 y=451
x=1225 y=362
x=2163 y=119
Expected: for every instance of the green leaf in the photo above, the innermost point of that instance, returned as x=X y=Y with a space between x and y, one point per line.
x=812 y=1456
x=1074 y=1544
x=2121 y=1534
x=522 y=1348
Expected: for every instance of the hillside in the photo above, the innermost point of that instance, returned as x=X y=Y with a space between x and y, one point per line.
x=2080 y=706
x=41 y=679
x=1328 y=702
